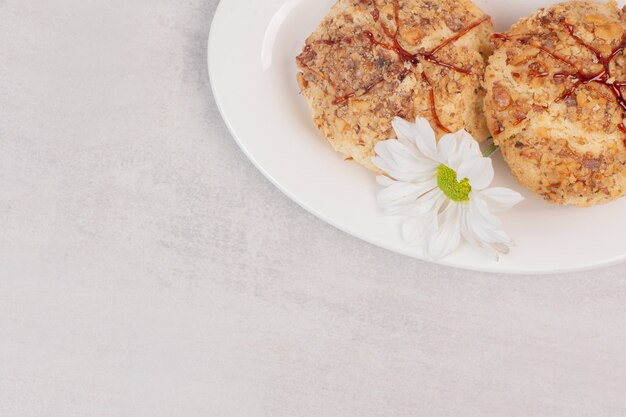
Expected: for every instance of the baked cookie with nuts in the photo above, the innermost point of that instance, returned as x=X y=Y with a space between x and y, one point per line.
x=372 y=60
x=555 y=103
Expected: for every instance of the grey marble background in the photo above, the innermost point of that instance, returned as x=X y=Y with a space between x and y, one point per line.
x=147 y=269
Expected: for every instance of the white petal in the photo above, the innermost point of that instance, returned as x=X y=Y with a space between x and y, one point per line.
x=446 y=238
x=414 y=229
x=465 y=148
x=479 y=171
x=468 y=234
x=385 y=181
x=492 y=248
x=485 y=235
x=491 y=251
x=396 y=153
x=466 y=231
x=398 y=161
x=406 y=134
x=404 y=130
x=424 y=138
x=500 y=199
x=399 y=193
x=487 y=227
x=446 y=147
x=479 y=211
x=470 y=147
x=480 y=228
x=402 y=197
x=429 y=202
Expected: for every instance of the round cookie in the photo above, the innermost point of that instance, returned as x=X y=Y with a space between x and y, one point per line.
x=372 y=60
x=555 y=102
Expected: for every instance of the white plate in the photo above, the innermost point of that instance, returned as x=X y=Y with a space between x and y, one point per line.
x=252 y=50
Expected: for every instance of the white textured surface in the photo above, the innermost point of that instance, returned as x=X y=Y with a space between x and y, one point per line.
x=147 y=269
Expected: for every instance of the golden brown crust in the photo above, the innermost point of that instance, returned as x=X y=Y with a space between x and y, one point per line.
x=356 y=79
x=554 y=103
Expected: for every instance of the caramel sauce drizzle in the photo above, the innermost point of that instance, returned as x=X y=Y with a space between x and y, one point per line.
x=433 y=103
x=392 y=43
x=579 y=77
x=518 y=122
x=528 y=42
x=367 y=89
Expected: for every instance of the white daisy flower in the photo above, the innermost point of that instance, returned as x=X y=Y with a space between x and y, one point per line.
x=441 y=189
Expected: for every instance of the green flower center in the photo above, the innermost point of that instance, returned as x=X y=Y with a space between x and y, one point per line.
x=453 y=189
